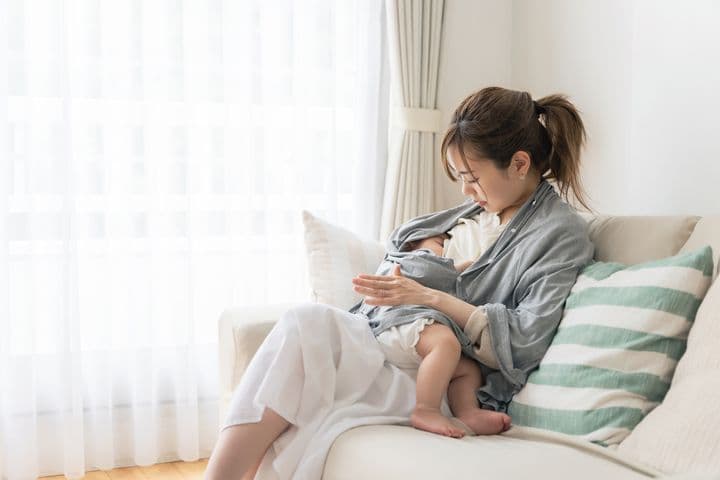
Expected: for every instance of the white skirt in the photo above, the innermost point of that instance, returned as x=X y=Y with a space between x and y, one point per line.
x=322 y=369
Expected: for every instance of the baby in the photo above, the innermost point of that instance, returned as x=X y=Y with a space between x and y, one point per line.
x=425 y=344
x=435 y=244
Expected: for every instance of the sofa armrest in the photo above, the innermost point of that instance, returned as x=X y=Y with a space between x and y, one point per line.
x=241 y=330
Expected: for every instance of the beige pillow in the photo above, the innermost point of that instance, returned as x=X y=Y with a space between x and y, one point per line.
x=706 y=232
x=682 y=434
x=632 y=240
x=334 y=256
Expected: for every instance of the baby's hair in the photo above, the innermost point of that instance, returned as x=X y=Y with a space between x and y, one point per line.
x=496 y=122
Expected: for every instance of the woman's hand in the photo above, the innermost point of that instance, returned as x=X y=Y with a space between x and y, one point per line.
x=392 y=289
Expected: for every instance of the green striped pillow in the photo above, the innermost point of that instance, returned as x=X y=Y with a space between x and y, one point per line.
x=614 y=353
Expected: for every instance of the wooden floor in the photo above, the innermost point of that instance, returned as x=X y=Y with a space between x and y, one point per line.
x=160 y=471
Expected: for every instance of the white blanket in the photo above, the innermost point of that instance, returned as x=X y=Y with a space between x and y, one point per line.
x=322 y=369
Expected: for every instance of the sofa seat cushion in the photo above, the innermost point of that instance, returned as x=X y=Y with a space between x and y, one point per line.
x=394 y=451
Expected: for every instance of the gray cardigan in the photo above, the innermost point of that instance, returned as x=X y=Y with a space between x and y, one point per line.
x=521 y=283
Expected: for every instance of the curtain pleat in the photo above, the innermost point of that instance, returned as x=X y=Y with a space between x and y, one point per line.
x=414 y=34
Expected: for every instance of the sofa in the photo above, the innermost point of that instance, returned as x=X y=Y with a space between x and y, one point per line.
x=678 y=439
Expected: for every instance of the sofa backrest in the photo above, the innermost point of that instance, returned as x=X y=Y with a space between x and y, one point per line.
x=637 y=239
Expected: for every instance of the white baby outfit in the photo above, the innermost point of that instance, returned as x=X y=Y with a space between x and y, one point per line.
x=469 y=239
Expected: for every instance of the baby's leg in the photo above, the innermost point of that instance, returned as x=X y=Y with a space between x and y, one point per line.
x=440 y=351
x=467 y=378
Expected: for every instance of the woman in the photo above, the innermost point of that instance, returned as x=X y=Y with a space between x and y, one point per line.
x=320 y=371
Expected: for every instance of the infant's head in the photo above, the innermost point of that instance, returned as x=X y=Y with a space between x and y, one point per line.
x=434 y=244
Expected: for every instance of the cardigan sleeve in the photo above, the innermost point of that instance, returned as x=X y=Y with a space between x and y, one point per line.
x=521 y=334
x=477 y=331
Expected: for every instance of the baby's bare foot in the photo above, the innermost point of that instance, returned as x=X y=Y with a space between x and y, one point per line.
x=431 y=420
x=485 y=422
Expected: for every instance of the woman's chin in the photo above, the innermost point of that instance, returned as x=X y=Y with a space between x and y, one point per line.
x=488 y=208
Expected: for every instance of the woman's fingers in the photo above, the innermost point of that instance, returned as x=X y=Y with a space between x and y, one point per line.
x=363 y=282
x=378 y=289
x=389 y=290
x=376 y=301
x=380 y=278
x=375 y=292
x=381 y=301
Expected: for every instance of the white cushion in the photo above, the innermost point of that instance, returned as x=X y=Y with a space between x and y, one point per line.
x=334 y=256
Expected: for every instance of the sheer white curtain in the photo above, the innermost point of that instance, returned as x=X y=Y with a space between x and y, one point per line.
x=155 y=157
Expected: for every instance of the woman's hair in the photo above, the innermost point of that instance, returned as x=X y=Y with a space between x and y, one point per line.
x=496 y=122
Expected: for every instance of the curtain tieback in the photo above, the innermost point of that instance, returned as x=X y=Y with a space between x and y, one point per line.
x=417 y=119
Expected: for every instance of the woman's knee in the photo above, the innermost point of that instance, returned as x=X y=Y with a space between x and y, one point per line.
x=302 y=310
x=308 y=311
x=305 y=313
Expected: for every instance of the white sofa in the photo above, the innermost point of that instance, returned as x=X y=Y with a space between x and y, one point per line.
x=389 y=451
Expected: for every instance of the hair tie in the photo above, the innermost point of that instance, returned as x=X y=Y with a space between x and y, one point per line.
x=538 y=108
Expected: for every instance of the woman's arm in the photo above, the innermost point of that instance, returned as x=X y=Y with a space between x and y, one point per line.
x=458 y=310
x=396 y=289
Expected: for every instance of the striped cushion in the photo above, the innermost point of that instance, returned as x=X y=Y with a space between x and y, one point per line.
x=614 y=353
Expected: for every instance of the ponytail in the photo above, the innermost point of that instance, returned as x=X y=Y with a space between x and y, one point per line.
x=566 y=137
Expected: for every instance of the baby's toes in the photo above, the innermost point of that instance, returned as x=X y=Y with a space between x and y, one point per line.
x=507 y=421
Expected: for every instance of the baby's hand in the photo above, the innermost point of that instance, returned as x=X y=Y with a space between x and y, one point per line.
x=462 y=266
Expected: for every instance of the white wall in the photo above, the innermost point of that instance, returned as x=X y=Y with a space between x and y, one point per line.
x=474 y=52
x=674 y=154
x=645 y=74
x=582 y=49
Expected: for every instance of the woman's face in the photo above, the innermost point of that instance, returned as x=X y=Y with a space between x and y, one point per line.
x=488 y=186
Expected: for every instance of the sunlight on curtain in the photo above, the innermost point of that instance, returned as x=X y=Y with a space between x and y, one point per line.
x=155 y=159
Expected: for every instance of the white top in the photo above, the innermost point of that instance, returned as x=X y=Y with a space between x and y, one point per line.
x=471 y=237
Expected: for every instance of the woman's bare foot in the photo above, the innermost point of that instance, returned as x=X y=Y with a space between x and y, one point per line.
x=431 y=420
x=485 y=422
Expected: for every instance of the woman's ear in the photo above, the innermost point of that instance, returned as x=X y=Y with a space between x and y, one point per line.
x=520 y=164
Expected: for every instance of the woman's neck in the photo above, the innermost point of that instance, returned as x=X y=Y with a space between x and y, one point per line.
x=507 y=214
x=510 y=211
